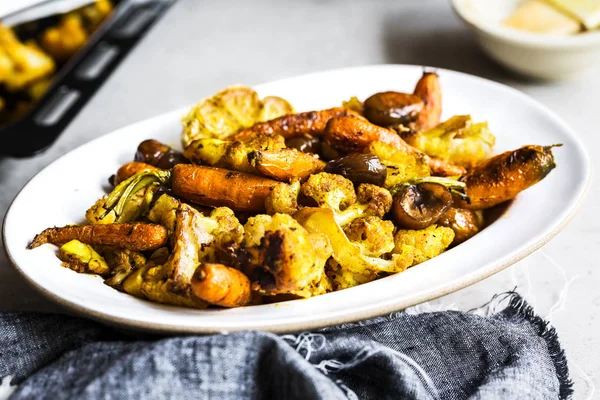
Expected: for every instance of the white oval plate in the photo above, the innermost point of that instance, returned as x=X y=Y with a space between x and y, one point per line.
x=61 y=193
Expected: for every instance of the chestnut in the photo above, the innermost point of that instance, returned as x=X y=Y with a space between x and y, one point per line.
x=416 y=206
x=465 y=223
x=306 y=144
x=329 y=153
x=158 y=154
x=359 y=168
x=392 y=108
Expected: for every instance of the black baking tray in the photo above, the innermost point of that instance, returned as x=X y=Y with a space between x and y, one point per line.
x=80 y=77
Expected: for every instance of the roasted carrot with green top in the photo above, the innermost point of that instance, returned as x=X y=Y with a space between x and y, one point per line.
x=504 y=176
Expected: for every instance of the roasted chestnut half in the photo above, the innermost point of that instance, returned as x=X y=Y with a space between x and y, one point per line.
x=392 y=108
x=416 y=206
x=306 y=144
x=465 y=223
x=359 y=168
x=158 y=154
x=328 y=153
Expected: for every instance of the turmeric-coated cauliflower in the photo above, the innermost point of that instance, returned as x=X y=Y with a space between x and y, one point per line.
x=373 y=235
x=337 y=193
x=283 y=198
x=401 y=166
x=354 y=266
x=227 y=238
x=457 y=140
x=65 y=39
x=231 y=154
x=21 y=64
x=197 y=239
x=283 y=257
x=420 y=245
x=122 y=263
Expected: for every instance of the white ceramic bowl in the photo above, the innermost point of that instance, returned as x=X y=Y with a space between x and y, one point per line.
x=535 y=55
x=62 y=192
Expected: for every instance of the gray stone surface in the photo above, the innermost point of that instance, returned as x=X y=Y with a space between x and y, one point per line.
x=202 y=46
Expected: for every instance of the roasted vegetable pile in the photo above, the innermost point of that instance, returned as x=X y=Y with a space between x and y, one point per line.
x=265 y=204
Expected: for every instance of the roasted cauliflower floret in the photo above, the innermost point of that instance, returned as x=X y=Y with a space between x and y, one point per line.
x=337 y=193
x=231 y=154
x=21 y=64
x=197 y=239
x=401 y=166
x=81 y=257
x=343 y=278
x=170 y=282
x=122 y=263
x=330 y=190
x=417 y=246
x=373 y=235
x=230 y=229
x=95 y=13
x=227 y=238
x=134 y=281
x=156 y=287
x=163 y=211
x=193 y=236
x=282 y=257
x=353 y=266
x=378 y=200
x=457 y=140
x=283 y=198
x=65 y=39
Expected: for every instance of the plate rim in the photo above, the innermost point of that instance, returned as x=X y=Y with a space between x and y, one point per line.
x=459 y=283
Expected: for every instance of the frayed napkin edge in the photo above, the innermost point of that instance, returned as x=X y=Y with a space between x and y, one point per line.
x=517 y=306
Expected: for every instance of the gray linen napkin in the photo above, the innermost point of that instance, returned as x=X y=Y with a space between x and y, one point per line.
x=512 y=354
